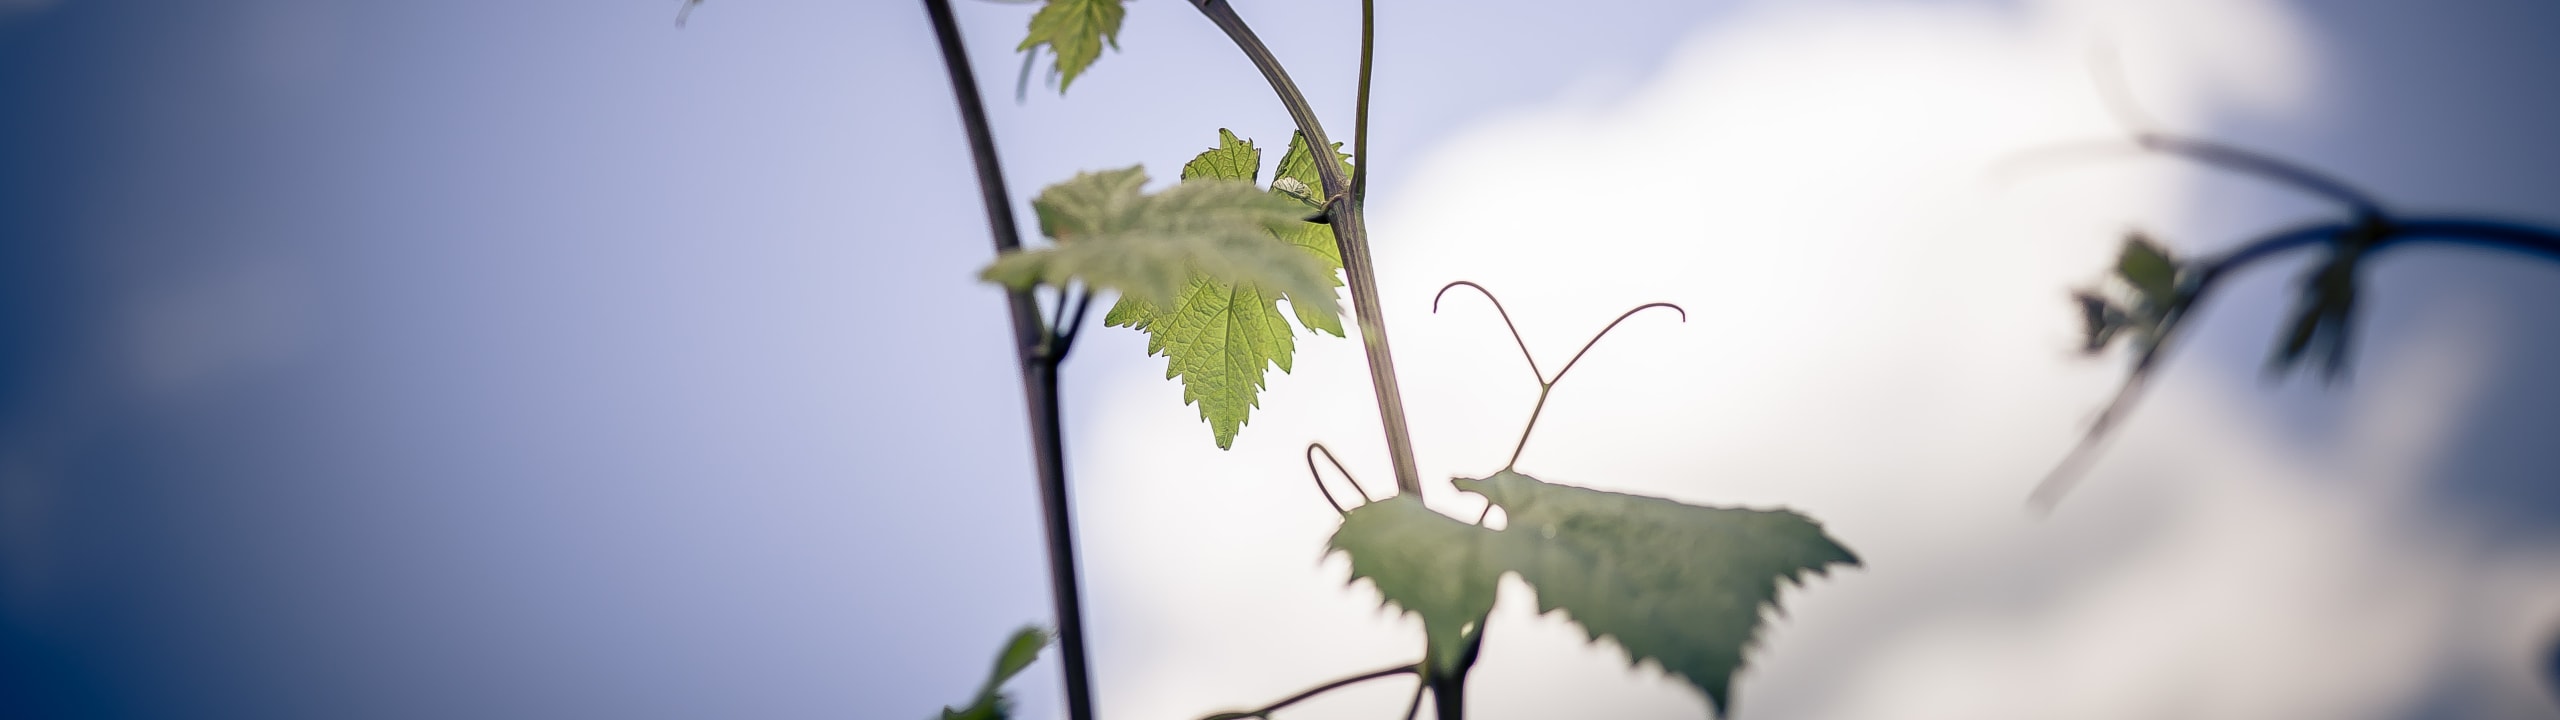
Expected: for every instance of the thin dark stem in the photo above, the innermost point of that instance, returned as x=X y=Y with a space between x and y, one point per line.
x=1351 y=236
x=1449 y=690
x=1266 y=710
x=1360 y=115
x=1039 y=373
x=2264 y=167
x=1506 y=323
x=2209 y=273
x=1074 y=322
x=1414 y=708
x=1604 y=332
x=1549 y=384
x=2491 y=234
x=2108 y=75
x=1312 y=449
x=2225 y=157
x=1054 y=344
x=1535 y=411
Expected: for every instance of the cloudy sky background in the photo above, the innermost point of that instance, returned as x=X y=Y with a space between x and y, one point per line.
x=474 y=359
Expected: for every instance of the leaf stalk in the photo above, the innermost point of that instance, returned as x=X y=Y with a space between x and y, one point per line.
x=1351 y=236
x=1033 y=343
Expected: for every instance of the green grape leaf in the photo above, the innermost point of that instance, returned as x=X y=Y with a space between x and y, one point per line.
x=1297 y=177
x=1234 y=158
x=1075 y=31
x=991 y=703
x=1221 y=338
x=1681 y=585
x=1218 y=339
x=1678 y=584
x=1110 y=235
x=1426 y=563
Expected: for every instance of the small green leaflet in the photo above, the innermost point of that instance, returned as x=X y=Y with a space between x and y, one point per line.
x=1298 y=178
x=991 y=703
x=1221 y=338
x=1110 y=235
x=1678 y=584
x=1075 y=31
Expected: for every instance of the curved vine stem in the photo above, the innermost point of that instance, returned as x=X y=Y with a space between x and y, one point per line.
x=1506 y=322
x=1546 y=384
x=1038 y=348
x=1073 y=320
x=1351 y=237
x=1360 y=113
x=1265 y=712
x=1312 y=449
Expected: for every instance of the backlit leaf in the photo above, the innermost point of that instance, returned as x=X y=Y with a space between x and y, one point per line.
x=1428 y=564
x=1221 y=339
x=1681 y=585
x=1110 y=235
x=1074 y=31
x=2147 y=266
x=1678 y=584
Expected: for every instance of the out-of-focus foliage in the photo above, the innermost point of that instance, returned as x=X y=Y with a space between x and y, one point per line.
x=2136 y=301
x=1427 y=563
x=1074 y=31
x=991 y=703
x=1111 y=235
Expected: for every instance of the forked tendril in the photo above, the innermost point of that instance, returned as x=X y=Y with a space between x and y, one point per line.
x=1312 y=449
x=1546 y=384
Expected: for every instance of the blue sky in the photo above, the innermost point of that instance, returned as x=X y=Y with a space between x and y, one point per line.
x=503 y=360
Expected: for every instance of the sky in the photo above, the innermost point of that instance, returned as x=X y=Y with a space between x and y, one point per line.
x=481 y=359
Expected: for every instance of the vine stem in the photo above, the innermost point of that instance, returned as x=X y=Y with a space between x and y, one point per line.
x=1546 y=385
x=1266 y=710
x=1037 y=350
x=1351 y=236
x=2399 y=232
x=1360 y=111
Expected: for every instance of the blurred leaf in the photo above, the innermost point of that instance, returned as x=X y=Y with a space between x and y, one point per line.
x=1074 y=31
x=1110 y=235
x=2100 y=320
x=2141 y=302
x=2148 y=268
x=991 y=703
x=1220 y=339
x=1428 y=564
x=1681 y=585
x=2323 y=318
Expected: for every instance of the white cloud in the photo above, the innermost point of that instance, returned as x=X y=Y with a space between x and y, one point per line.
x=1877 y=336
